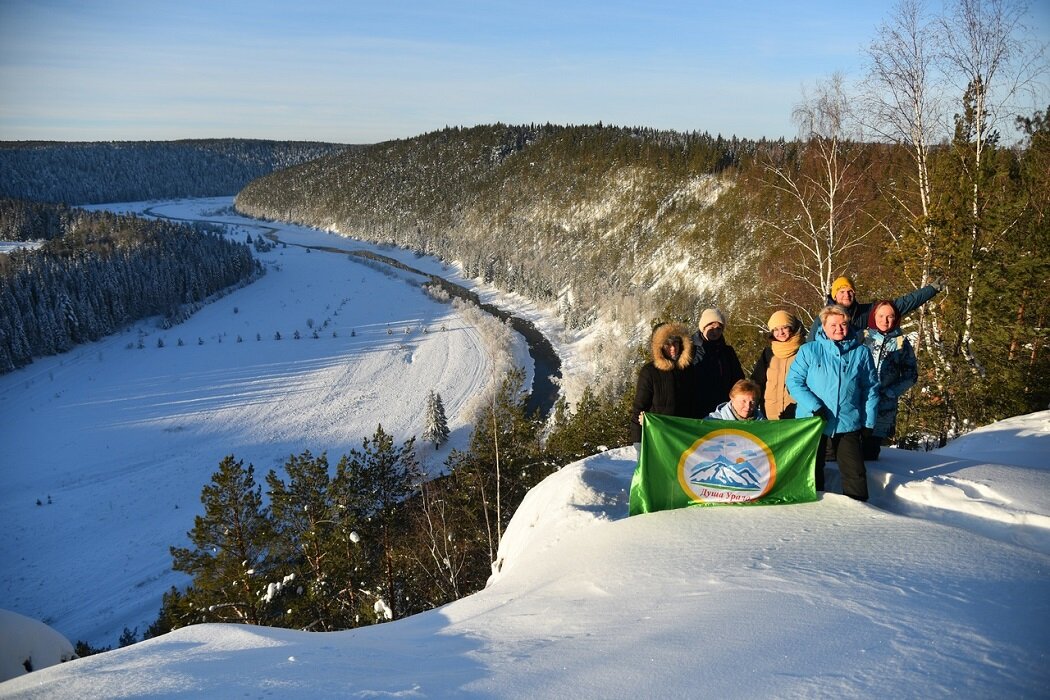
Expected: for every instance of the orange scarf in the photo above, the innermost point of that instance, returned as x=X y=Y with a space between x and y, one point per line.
x=787 y=348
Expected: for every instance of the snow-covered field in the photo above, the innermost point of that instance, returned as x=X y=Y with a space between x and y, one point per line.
x=838 y=599
x=939 y=587
x=106 y=447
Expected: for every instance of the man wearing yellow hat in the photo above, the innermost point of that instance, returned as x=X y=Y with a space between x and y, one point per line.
x=843 y=293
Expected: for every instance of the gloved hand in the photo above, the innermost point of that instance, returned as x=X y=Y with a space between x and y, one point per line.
x=823 y=412
x=937 y=282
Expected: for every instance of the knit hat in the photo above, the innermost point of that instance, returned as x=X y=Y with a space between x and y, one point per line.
x=841 y=283
x=782 y=318
x=875 y=307
x=710 y=316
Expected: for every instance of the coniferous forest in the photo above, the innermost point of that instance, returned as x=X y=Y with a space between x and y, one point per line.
x=104 y=272
x=134 y=171
x=99 y=272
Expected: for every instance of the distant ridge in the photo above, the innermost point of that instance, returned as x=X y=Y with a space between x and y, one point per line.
x=604 y=222
x=127 y=171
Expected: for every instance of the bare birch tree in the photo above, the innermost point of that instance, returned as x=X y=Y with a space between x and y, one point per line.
x=824 y=222
x=903 y=107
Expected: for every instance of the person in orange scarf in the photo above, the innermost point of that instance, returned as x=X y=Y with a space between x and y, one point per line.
x=771 y=368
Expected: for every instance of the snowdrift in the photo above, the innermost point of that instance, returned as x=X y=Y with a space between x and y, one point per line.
x=939 y=596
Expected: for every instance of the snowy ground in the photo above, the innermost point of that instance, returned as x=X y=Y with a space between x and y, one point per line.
x=8 y=246
x=936 y=588
x=838 y=599
x=110 y=444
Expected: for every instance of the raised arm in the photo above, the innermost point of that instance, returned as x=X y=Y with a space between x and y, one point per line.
x=913 y=300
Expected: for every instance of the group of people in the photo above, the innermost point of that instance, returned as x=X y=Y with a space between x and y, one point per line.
x=850 y=370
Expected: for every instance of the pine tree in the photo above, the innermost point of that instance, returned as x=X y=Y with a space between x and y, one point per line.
x=598 y=420
x=377 y=481
x=302 y=513
x=436 y=430
x=231 y=542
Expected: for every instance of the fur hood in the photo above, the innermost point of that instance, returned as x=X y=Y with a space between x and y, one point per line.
x=660 y=335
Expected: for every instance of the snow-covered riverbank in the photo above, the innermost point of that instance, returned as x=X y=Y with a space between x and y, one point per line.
x=110 y=444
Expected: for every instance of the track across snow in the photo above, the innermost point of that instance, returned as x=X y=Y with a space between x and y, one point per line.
x=116 y=438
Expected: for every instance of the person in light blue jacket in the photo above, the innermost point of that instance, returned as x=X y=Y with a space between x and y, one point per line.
x=744 y=403
x=896 y=366
x=834 y=377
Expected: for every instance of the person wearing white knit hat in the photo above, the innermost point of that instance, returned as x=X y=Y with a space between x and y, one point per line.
x=718 y=364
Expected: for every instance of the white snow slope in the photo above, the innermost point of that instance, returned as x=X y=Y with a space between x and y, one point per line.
x=936 y=588
x=828 y=599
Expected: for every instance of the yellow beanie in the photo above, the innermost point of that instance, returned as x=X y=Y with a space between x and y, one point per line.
x=781 y=318
x=841 y=283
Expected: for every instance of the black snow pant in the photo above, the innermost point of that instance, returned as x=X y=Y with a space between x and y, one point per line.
x=872 y=447
x=847 y=447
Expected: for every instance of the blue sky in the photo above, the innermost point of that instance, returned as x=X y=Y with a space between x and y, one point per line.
x=361 y=72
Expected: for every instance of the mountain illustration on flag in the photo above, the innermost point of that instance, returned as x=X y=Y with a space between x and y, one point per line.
x=722 y=473
x=689 y=462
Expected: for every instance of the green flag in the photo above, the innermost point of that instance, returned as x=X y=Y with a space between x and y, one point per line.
x=686 y=462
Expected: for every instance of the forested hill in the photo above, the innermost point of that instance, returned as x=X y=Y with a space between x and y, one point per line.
x=602 y=220
x=104 y=272
x=629 y=226
x=127 y=171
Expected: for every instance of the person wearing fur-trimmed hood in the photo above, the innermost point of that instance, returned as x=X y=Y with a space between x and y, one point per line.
x=667 y=384
x=717 y=361
x=897 y=368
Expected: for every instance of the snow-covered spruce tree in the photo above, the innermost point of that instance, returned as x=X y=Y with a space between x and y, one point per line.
x=436 y=430
x=231 y=544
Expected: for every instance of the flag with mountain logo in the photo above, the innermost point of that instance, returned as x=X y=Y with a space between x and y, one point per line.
x=686 y=462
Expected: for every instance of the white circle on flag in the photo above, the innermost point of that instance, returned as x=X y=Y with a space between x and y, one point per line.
x=727 y=466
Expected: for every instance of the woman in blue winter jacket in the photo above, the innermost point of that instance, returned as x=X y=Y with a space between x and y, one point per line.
x=834 y=377
x=896 y=367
